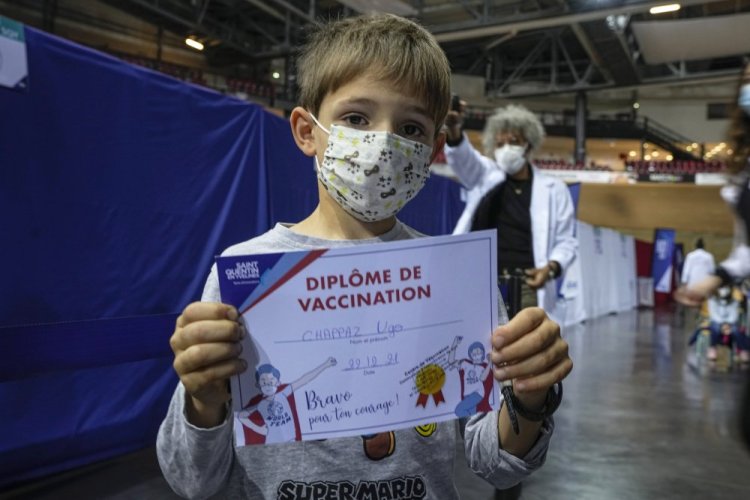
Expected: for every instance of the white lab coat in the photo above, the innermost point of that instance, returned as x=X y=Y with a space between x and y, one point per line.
x=699 y=264
x=552 y=221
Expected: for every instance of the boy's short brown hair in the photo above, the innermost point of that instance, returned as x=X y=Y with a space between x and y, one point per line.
x=400 y=50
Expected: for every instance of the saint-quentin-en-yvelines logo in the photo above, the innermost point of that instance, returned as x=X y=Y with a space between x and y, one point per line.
x=246 y=270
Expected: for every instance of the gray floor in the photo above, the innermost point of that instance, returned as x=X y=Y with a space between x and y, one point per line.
x=641 y=419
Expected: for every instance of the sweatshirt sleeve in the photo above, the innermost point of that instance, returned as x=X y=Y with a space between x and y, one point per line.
x=495 y=465
x=469 y=165
x=195 y=462
x=736 y=267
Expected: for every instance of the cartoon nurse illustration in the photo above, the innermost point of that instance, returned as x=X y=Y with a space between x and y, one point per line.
x=476 y=382
x=271 y=416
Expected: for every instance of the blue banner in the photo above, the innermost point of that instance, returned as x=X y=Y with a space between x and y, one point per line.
x=662 y=263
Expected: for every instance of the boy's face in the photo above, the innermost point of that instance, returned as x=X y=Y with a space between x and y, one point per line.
x=267 y=384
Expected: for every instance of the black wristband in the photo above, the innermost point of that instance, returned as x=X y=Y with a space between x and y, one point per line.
x=551 y=403
x=555 y=269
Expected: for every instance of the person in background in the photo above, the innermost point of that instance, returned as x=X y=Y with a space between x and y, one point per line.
x=699 y=264
x=737 y=194
x=724 y=315
x=533 y=213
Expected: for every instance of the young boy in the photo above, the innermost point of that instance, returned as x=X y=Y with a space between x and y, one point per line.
x=374 y=93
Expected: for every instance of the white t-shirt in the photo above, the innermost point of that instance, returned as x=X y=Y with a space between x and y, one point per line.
x=278 y=417
x=699 y=264
x=471 y=373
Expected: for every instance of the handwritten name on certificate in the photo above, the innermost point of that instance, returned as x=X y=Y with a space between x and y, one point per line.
x=364 y=339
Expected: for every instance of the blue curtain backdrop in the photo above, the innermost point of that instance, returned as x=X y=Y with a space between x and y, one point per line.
x=118 y=186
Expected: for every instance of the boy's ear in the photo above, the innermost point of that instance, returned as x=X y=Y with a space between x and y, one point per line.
x=438 y=146
x=302 y=127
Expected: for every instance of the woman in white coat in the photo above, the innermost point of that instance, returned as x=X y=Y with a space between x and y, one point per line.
x=533 y=213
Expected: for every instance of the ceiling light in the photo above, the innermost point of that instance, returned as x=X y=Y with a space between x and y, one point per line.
x=670 y=157
x=695 y=145
x=276 y=75
x=689 y=148
x=655 y=154
x=194 y=44
x=647 y=157
x=632 y=154
x=636 y=105
x=661 y=9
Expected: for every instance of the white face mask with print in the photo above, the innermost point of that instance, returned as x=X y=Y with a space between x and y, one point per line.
x=510 y=158
x=372 y=175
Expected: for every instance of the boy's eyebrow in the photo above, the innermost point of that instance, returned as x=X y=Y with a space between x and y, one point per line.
x=369 y=102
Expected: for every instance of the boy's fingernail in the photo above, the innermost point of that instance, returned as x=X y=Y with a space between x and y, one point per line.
x=501 y=374
x=232 y=314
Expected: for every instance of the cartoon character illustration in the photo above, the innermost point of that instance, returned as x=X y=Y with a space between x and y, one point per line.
x=271 y=417
x=476 y=382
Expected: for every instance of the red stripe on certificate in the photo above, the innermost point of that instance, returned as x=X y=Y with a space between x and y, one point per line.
x=306 y=261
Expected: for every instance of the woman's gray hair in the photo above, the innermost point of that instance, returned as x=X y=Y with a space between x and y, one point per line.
x=512 y=118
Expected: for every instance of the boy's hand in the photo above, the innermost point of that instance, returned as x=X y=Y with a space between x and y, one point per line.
x=529 y=350
x=206 y=348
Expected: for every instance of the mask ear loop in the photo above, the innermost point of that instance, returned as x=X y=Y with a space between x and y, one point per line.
x=318 y=123
x=321 y=127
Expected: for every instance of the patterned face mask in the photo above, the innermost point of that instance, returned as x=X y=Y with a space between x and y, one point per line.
x=372 y=175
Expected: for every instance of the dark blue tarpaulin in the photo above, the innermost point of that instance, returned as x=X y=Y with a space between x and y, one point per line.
x=118 y=186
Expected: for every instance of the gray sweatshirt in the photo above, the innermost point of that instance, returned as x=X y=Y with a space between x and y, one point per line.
x=412 y=463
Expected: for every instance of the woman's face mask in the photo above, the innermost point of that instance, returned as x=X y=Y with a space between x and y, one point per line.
x=371 y=174
x=511 y=158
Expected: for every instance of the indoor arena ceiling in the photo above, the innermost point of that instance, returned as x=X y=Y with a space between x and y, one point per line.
x=520 y=48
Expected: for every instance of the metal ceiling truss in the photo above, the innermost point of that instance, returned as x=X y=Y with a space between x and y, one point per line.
x=601 y=54
x=229 y=34
x=555 y=16
x=522 y=48
x=555 y=71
